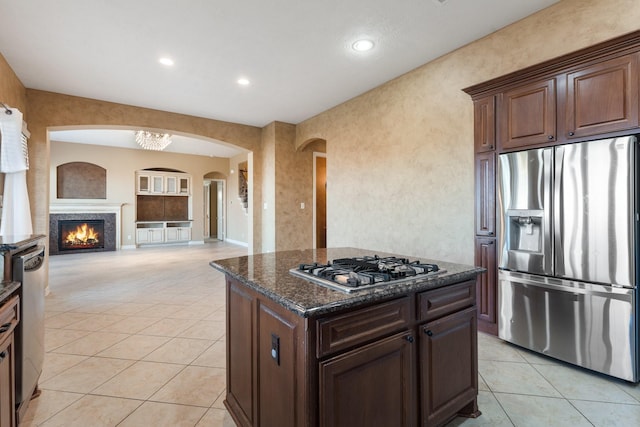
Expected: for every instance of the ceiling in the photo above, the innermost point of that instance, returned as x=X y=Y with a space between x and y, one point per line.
x=297 y=54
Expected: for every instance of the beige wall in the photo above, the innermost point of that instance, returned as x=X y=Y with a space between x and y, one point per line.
x=400 y=157
x=121 y=165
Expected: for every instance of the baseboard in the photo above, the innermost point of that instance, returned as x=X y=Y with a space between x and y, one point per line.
x=236 y=242
x=127 y=247
x=196 y=242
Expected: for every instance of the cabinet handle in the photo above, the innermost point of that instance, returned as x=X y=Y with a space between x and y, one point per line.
x=491 y=147
x=3 y=355
x=428 y=332
x=550 y=137
x=5 y=327
x=571 y=133
x=409 y=338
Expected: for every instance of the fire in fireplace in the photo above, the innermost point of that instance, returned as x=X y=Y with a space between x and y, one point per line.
x=75 y=235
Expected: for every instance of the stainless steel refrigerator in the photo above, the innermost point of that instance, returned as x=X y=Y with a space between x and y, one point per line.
x=568 y=253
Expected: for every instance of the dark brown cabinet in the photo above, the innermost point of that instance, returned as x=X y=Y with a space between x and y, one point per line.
x=527 y=114
x=241 y=377
x=448 y=357
x=588 y=94
x=485 y=200
x=487 y=285
x=371 y=385
x=8 y=320
x=602 y=97
x=484 y=124
x=364 y=365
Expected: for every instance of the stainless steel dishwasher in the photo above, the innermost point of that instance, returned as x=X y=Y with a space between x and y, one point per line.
x=29 y=333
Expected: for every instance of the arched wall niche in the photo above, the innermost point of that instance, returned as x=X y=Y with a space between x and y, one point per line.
x=81 y=180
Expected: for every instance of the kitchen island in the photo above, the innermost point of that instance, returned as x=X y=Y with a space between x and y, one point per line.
x=302 y=354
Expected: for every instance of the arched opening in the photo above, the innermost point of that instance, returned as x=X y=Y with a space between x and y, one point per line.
x=318 y=146
x=123 y=161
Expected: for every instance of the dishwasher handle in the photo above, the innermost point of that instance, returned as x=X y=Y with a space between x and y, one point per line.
x=33 y=258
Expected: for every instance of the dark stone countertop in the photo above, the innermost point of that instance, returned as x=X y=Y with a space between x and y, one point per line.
x=10 y=243
x=269 y=275
x=6 y=289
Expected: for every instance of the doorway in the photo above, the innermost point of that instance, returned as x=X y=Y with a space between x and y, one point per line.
x=320 y=200
x=214 y=202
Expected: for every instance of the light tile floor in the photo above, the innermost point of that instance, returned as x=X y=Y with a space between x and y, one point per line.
x=136 y=338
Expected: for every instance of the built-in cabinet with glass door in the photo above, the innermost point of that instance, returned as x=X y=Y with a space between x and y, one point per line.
x=163 y=207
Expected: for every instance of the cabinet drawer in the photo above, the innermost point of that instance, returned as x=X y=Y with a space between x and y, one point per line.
x=9 y=317
x=440 y=302
x=349 y=329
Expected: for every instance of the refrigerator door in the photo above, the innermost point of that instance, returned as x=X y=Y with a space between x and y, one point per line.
x=585 y=324
x=524 y=211
x=594 y=212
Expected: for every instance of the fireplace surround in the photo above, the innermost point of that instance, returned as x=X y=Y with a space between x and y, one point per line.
x=104 y=216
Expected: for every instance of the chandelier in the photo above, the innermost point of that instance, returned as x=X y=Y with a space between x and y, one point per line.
x=152 y=140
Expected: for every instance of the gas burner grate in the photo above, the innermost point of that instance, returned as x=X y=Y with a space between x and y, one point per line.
x=356 y=273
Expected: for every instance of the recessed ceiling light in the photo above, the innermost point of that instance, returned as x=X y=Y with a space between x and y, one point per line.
x=243 y=81
x=166 y=61
x=362 y=45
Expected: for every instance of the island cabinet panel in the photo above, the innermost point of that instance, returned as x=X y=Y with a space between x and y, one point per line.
x=347 y=330
x=443 y=301
x=241 y=378
x=448 y=357
x=527 y=114
x=370 y=386
x=276 y=367
x=602 y=97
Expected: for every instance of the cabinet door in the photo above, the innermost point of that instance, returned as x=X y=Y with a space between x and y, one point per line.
x=527 y=115
x=449 y=376
x=184 y=233
x=484 y=124
x=486 y=285
x=602 y=97
x=172 y=185
x=143 y=184
x=241 y=321
x=184 y=186
x=485 y=215
x=142 y=235
x=157 y=184
x=7 y=378
x=156 y=235
x=370 y=386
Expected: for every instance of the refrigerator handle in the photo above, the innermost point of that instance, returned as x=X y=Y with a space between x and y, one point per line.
x=558 y=256
x=548 y=213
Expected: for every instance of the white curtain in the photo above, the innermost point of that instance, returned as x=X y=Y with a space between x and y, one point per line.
x=14 y=162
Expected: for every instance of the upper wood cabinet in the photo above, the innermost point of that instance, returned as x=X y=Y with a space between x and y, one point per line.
x=484 y=124
x=602 y=97
x=527 y=114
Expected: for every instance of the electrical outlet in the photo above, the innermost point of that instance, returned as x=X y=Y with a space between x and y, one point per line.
x=302 y=205
x=129 y=237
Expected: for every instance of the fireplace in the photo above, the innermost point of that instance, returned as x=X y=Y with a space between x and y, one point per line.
x=82 y=232
x=81 y=235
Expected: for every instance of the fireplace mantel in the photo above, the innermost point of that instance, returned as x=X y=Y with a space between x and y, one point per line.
x=72 y=208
